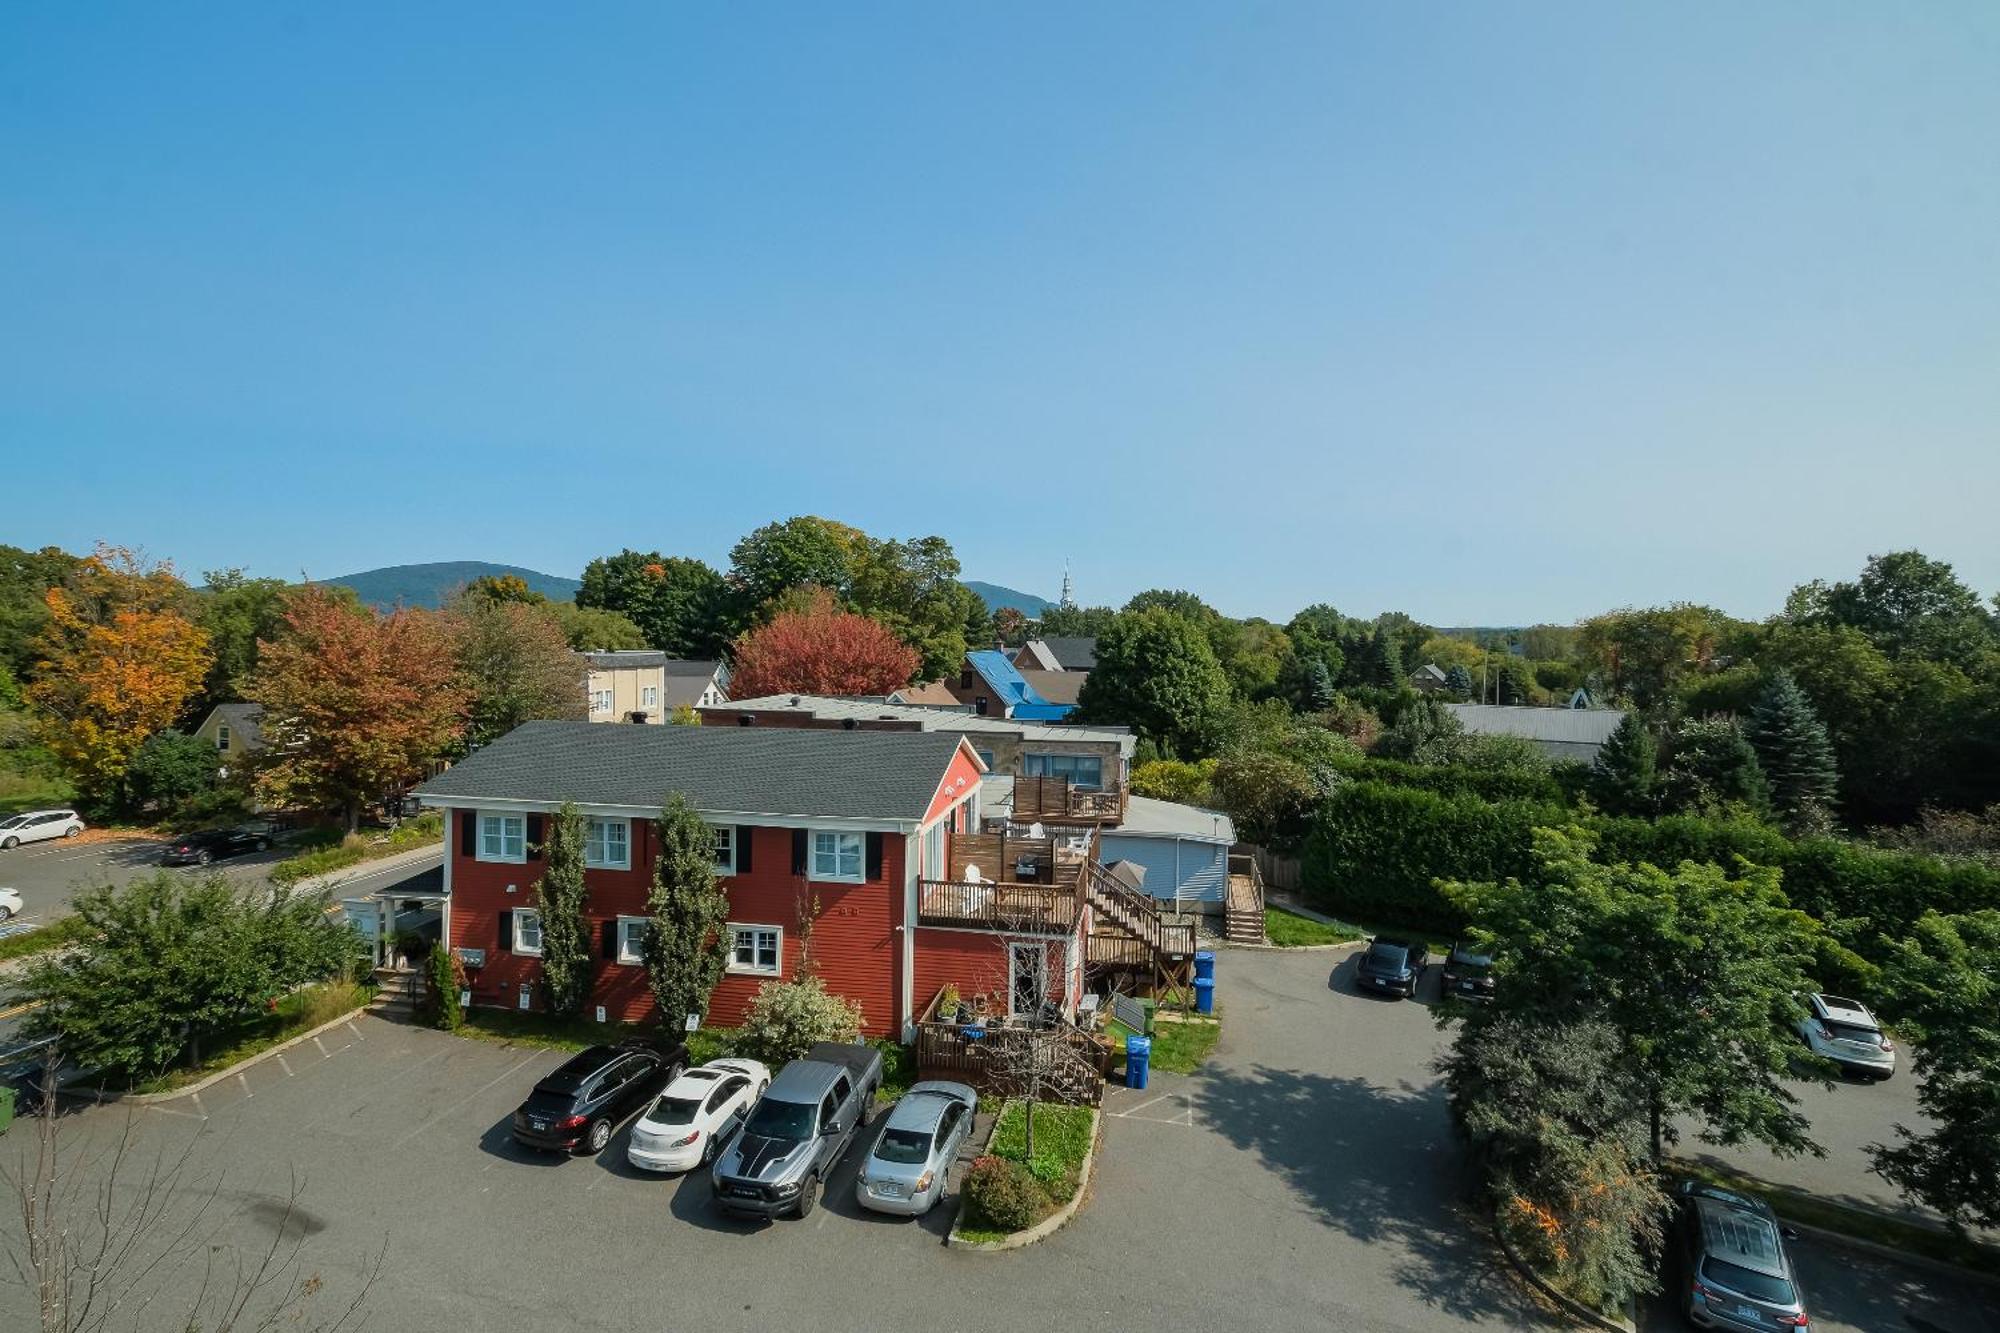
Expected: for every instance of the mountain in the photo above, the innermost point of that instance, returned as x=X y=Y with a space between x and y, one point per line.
x=996 y=597
x=427 y=585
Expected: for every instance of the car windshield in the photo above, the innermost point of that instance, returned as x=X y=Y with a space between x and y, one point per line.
x=1395 y=955
x=780 y=1120
x=1748 y=1282
x=673 y=1111
x=1472 y=962
x=904 y=1145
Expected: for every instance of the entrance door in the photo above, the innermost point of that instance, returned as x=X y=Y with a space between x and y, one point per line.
x=1028 y=977
x=365 y=916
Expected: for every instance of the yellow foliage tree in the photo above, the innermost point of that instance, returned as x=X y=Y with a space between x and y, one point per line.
x=118 y=661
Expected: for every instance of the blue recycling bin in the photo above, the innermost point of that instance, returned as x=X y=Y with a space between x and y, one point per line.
x=1204 y=995
x=1138 y=1060
x=1204 y=964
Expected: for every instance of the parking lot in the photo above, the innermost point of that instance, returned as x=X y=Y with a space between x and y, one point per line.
x=49 y=874
x=1306 y=1178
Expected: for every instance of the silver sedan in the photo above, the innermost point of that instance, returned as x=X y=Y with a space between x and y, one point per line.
x=906 y=1166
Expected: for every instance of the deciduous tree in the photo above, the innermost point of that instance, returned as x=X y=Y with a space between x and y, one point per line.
x=515 y=659
x=1713 y=770
x=169 y=768
x=821 y=650
x=590 y=629
x=25 y=580
x=686 y=951
x=1157 y=674
x=680 y=605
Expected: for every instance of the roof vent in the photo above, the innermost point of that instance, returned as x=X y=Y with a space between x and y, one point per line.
x=796 y=701
x=746 y=719
x=849 y=723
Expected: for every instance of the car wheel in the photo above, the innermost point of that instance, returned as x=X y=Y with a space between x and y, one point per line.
x=9 y=844
x=203 y=859
x=72 y=832
x=599 y=1137
x=808 y=1196
x=263 y=844
x=6 y=913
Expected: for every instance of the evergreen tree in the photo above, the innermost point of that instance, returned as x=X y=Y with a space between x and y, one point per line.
x=559 y=896
x=1621 y=781
x=1458 y=680
x=1712 y=769
x=685 y=947
x=1381 y=664
x=1320 y=694
x=1793 y=749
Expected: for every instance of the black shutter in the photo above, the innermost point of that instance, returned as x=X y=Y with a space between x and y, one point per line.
x=468 y=833
x=506 y=932
x=874 y=857
x=798 y=851
x=534 y=837
x=743 y=832
x=609 y=930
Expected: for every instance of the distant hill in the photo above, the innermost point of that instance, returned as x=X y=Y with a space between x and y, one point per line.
x=996 y=597
x=427 y=585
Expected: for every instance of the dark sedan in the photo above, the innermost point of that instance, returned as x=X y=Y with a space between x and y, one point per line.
x=1391 y=966
x=1468 y=974
x=198 y=849
x=580 y=1105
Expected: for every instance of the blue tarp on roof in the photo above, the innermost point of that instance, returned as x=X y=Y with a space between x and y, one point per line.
x=1017 y=697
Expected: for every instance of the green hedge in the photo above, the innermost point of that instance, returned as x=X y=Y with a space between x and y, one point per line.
x=1459 y=780
x=1376 y=852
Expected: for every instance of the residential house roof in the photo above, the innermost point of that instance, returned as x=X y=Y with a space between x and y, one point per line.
x=1057 y=687
x=1567 y=726
x=1072 y=652
x=1016 y=697
x=956 y=717
x=886 y=776
x=1145 y=817
x=244 y=720
x=930 y=694
x=612 y=659
x=1035 y=655
x=1429 y=671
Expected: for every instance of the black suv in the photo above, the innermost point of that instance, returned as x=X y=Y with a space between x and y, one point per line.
x=1468 y=973
x=1391 y=966
x=578 y=1106
x=198 y=849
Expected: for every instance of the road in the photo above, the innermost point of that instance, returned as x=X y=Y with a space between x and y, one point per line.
x=49 y=874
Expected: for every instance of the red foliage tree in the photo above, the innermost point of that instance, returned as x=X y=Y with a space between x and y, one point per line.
x=820 y=649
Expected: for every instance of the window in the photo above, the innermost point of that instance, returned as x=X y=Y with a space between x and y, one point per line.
x=527 y=931
x=221 y=736
x=649 y=696
x=757 y=949
x=837 y=856
x=632 y=938
x=1084 y=771
x=503 y=837
x=600 y=701
x=985 y=757
x=725 y=850
x=606 y=844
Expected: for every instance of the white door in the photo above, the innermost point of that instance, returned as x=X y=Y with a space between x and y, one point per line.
x=365 y=915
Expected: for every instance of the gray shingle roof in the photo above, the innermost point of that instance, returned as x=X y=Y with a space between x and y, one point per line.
x=245 y=723
x=1572 y=726
x=863 y=775
x=1075 y=653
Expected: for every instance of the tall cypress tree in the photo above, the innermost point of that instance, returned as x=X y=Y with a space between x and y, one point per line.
x=559 y=897
x=1794 y=752
x=1622 y=778
x=685 y=950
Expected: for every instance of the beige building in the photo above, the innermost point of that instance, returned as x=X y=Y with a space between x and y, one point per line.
x=648 y=686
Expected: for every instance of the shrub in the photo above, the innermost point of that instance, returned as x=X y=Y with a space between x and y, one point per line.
x=1174 y=780
x=444 y=977
x=787 y=1017
x=1003 y=1195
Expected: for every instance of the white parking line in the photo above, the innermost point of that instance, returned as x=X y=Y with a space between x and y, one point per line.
x=282 y=1065
x=246 y=1084
x=1143 y=1105
x=479 y=1091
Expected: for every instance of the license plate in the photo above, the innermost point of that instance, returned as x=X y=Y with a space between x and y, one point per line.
x=1745 y=1312
x=538 y=1124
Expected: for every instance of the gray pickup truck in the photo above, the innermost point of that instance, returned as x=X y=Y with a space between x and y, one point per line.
x=797 y=1131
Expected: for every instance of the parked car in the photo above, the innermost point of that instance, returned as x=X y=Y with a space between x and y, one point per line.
x=10 y=904
x=580 y=1105
x=198 y=849
x=1468 y=974
x=797 y=1131
x=687 y=1124
x=1843 y=1031
x=906 y=1170
x=38 y=826
x=1737 y=1272
x=1392 y=966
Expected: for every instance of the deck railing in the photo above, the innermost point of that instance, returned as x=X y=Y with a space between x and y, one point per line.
x=1059 y=799
x=1050 y=909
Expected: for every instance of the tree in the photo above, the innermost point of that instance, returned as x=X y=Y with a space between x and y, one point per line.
x=1175 y=780
x=1944 y=998
x=913 y=588
x=1622 y=776
x=788 y=1018
x=237 y=612
x=685 y=948
x=1458 y=680
x=1906 y=604
x=515 y=660
x=560 y=896
x=1268 y=796
x=1713 y=770
x=680 y=605
x=1643 y=654
x=356 y=705
x=120 y=660
x=1426 y=732
x=1697 y=973
x=821 y=650
x=1157 y=674
x=503 y=588
x=168 y=770
x=25 y=580
x=1794 y=752
x=1073 y=622
x=164 y=962
x=799 y=552
x=1176 y=600
x=590 y=629
x=1379 y=662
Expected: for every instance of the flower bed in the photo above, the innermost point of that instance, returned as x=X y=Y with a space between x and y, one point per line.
x=1008 y=1190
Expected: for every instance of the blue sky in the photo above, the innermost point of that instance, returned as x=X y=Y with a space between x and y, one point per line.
x=1492 y=313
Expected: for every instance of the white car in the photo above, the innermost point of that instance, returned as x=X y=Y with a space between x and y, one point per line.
x=1843 y=1031
x=10 y=904
x=38 y=826
x=695 y=1116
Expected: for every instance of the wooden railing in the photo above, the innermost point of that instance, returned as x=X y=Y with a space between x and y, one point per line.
x=1138 y=915
x=1035 y=908
x=1058 y=799
x=1072 y=1067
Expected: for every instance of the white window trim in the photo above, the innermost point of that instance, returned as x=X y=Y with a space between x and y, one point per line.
x=649 y=696
x=519 y=947
x=812 y=859
x=590 y=841
x=726 y=865
x=636 y=957
x=1045 y=756
x=600 y=701
x=222 y=737
x=738 y=969
x=479 y=846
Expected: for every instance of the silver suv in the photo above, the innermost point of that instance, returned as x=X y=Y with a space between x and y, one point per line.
x=1733 y=1254
x=1843 y=1031
x=38 y=826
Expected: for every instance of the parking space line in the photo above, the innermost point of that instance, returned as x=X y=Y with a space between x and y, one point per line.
x=479 y=1091
x=175 y=1110
x=282 y=1065
x=322 y=1047
x=1143 y=1105
x=246 y=1084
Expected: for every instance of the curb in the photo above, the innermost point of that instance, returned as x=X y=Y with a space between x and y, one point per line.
x=1876 y=1250
x=1049 y=1225
x=152 y=1098
x=1291 y=948
x=333 y=879
x=1568 y=1305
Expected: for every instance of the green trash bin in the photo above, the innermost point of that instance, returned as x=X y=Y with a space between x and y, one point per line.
x=1149 y=1007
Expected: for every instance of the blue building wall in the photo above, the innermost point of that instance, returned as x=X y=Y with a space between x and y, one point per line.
x=1198 y=867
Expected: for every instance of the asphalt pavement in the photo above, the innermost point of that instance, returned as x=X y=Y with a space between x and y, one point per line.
x=49 y=874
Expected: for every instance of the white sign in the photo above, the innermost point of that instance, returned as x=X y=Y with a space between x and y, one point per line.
x=465 y=999
x=524 y=997
x=600 y=1013
x=694 y=1022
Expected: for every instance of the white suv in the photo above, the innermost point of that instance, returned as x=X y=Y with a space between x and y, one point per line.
x=1845 y=1032
x=38 y=826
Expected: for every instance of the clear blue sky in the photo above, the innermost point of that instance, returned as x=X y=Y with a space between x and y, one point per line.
x=1492 y=313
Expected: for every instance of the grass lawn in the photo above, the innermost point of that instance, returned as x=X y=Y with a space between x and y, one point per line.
x=1179 y=1046
x=32 y=791
x=63 y=930
x=301 y=1011
x=1291 y=931
x=1797 y=1206
x=356 y=848
x=1062 y=1137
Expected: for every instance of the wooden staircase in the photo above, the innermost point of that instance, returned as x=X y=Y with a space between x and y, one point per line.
x=1128 y=931
x=1243 y=901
